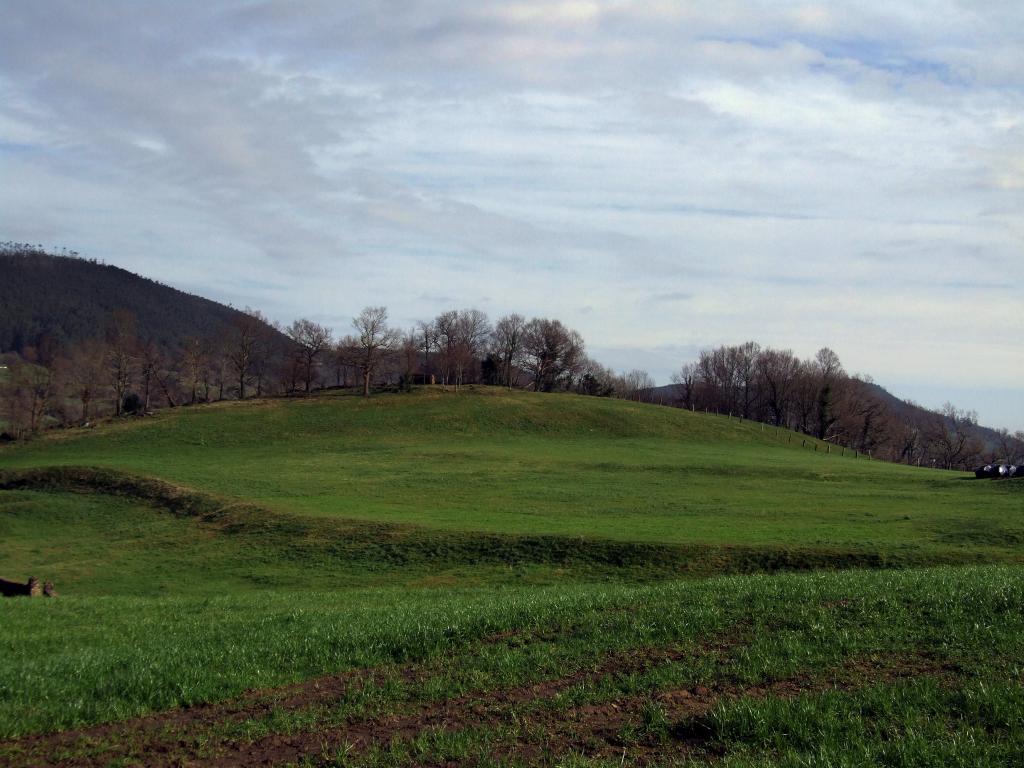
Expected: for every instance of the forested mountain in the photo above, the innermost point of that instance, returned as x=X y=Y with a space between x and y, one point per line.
x=50 y=302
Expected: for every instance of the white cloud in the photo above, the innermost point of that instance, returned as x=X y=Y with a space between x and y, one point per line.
x=803 y=173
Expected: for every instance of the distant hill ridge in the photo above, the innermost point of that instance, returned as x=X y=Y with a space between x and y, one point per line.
x=668 y=394
x=63 y=300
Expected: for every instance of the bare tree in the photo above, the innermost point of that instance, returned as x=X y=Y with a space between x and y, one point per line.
x=745 y=367
x=84 y=374
x=265 y=353
x=508 y=344
x=552 y=354
x=446 y=326
x=427 y=334
x=311 y=339
x=149 y=360
x=635 y=384
x=829 y=373
x=1009 y=447
x=167 y=378
x=905 y=438
x=805 y=397
x=860 y=415
x=951 y=437
x=471 y=331
x=596 y=380
x=243 y=346
x=685 y=380
x=38 y=381
x=346 y=355
x=409 y=349
x=777 y=372
x=121 y=346
x=28 y=394
x=218 y=367
x=194 y=366
x=376 y=341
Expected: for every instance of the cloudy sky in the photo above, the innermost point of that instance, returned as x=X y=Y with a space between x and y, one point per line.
x=662 y=175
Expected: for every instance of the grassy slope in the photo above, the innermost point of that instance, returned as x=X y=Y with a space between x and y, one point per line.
x=487 y=460
x=162 y=610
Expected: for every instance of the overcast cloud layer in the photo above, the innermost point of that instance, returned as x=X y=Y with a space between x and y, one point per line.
x=660 y=175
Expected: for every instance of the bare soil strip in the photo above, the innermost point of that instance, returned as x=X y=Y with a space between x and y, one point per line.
x=594 y=730
x=163 y=738
x=171 y=738
x=597 y=730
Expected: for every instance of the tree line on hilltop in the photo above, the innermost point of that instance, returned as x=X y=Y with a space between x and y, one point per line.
x=123 y=371
x=59 y=375
x=819 y=398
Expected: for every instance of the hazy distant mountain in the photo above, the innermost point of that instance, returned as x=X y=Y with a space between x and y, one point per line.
x=987 y=434
x=47 y=299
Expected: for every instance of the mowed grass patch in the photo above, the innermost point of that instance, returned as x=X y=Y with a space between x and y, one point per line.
x=492 y=461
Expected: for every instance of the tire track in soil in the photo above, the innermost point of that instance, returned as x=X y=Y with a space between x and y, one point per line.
x=591 y=729
x=165 y=739
x=594 y=730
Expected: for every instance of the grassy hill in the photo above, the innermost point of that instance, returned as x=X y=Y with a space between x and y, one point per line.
x=487 y=460
x=493 y=578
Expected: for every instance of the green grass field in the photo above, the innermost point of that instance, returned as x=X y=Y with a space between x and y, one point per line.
x=495 y=578
x=490 y=461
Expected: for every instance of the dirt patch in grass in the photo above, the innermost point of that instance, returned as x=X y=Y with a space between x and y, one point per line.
x=642 y=728
x=646 y=729
x=618 y=729
x=169 y=738
x=160 y=734
x=475 y=711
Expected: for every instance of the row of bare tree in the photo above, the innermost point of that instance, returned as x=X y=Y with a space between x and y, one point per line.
x=122 y=372
x=817 y=397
